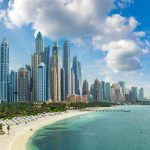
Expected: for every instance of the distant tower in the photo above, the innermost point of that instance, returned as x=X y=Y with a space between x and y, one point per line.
x=28 y=67
x=4 y=71
x=63 y=98
x=78 y=79
x=23 y=85
x=134 y=93
x=72 y=82
x=92 y=89
x=55 y=73
x=96 y=91
x=13 y=87
x=85 y=89
x=108 y=92
x=41 y=82
x=66 y=66
x=122 y=85
x=103 y=91
x=39 y=43
x=141 y=94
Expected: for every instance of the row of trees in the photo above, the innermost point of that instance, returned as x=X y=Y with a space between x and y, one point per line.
x=23 y=109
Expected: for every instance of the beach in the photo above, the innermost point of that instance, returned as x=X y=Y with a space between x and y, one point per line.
x=19 y=134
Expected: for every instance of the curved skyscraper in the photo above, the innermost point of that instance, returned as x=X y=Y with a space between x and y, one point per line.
x=77 y=72
x=66 y=66
x=4 y=71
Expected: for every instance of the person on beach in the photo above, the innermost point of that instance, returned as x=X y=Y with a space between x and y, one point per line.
x=8 y=128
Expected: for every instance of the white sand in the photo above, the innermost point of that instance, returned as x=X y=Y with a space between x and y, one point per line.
x=19 y=134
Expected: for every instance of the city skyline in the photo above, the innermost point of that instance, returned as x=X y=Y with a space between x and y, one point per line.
x=84 y=43
x=47 y=79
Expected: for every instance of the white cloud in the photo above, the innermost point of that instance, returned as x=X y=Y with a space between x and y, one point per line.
x=79 y=18
x=60 y=17
x=1 y=1
x=115 y=28
x=123 y=55
x=123 y=46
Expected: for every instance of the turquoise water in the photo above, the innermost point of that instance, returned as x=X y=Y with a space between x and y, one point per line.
x=97 y=131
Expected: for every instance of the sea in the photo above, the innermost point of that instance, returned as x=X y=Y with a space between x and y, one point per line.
x=129 y=130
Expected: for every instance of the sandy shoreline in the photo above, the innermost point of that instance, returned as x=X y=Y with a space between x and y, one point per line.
x=19 y=134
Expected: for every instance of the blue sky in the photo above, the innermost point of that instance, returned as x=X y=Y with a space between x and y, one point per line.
x=110 y=37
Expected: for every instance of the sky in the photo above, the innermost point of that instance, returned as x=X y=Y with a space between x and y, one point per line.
x=110 y=37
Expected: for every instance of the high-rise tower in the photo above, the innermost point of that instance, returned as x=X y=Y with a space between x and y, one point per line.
x=13 y=87
x=72 y=82
x=39 y=43
x=85 y=88
x=77 y=72
x=108 y=92
x=103 y=91
x=36 y=60
x=141 y=94
x=45 y=58
x=23 y=85
x=55 y=73
x=66 y=66
x=96 y=91
x=41 y=82
x=4 y=71
x=63 y=84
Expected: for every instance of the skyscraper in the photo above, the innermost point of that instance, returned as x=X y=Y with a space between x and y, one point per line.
x=134 y=93
x=96 y=91
x=36 y=60
x=77 y=72
x=72 y=82
x=46 y=59
x=116 y=92
x=63 y=84
x=103 y=91
x=13 y=87
x=108 y=92
x=28 y=67
x=122 y=85
x=66 y=66
x=55 y=73
x=141 y=94
x=41 y=82
x=4 y=71
x=85 y=88
x=23 y=85
x=39 y=43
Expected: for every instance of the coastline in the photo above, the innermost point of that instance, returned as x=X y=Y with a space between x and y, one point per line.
x=20 y=134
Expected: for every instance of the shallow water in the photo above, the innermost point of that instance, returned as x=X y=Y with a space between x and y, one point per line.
x=97 y=131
